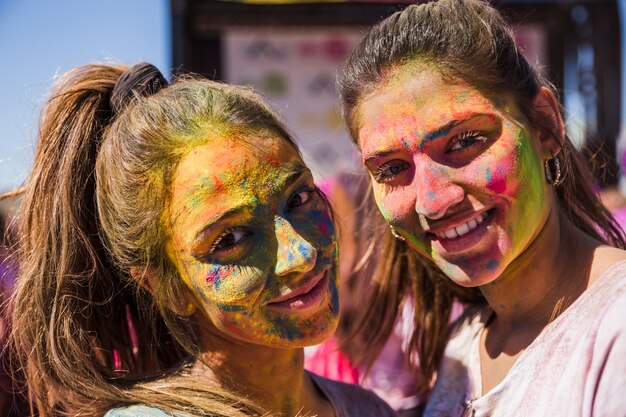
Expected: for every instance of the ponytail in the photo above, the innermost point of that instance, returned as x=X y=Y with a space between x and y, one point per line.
x=79 y=333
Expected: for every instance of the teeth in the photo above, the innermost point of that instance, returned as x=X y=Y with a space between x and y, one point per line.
x=462 y=229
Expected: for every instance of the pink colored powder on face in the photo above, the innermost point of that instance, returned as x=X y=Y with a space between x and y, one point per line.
x=497 y=183
x=461 y=157
x=323 y=228
x=223 y=188
x=214 y=277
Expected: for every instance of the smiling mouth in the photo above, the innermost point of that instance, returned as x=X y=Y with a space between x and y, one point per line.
x=464 y=228
x=308 y=295
x=460 y=237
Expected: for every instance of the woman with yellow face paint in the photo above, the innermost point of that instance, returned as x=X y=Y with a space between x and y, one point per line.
x=488 y=202
x=174 y=256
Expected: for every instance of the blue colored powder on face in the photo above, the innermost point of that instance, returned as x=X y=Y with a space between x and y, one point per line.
x=493 y=264
x=286 y=328
x=489 y=174
x=304 y=250
x=432 y=136
x=431 y=195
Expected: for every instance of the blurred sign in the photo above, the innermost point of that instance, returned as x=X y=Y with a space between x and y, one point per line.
x=318 y=1
x=296 y=70
x=531 y=40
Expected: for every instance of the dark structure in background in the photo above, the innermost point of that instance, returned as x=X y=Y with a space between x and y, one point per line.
x=582 y=46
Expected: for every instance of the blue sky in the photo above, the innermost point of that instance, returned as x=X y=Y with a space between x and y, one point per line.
x=42 y=38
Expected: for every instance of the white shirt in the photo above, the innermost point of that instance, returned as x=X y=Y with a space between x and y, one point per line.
x=576 y=367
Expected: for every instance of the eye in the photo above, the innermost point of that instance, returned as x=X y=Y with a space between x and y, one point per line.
x=228 y=240
x=299 y=199
x=390 y=169
x=466 y=140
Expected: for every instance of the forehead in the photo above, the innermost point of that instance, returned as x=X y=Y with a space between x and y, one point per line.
x=230 y=171
x=415 y=99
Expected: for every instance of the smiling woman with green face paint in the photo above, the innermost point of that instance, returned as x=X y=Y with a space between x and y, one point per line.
x=175 y=256
x=487 y=201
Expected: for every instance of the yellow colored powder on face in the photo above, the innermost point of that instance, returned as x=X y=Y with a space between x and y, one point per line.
x=228 y=188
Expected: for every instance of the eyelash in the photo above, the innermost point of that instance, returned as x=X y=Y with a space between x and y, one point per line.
x=308 y=191
x=381 y=176
x=221 y=237
x=470 y=134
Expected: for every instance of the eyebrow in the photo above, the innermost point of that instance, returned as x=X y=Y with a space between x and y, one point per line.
x=298 y=172
x=432 y=135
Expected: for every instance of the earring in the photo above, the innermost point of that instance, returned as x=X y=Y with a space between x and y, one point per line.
x=395 y=234
x=555 y=179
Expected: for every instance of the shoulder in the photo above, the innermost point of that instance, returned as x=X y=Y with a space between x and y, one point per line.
x=609 y=263
x=352 y=400
x=606 y=299
x=136 y=411
x=612 y=326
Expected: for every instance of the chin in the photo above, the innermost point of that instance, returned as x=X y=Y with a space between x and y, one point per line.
x=310 y=335
x=471 y=277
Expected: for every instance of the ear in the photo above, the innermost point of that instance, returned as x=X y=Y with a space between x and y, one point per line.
x=147 y=277
x=551 y=126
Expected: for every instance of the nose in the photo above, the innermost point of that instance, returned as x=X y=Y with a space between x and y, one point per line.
x=294 y=253
x=436 y=193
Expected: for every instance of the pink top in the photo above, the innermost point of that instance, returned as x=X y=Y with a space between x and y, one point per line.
x=390 y=376
x=575 y=367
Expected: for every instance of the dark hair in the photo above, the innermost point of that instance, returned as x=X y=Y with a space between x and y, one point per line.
x=470 y=41
x=87 y=336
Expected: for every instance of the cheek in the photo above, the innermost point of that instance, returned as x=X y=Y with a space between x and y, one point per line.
x=502 y=177
x=518 y=174
x=317 y=227
x=503 y=173
x=324 y=228
x=395 y=205
x=229 y=286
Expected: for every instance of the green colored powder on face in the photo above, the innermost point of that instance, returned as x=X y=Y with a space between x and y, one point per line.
x=194 y=202
x=235 y=283
x=531 y=194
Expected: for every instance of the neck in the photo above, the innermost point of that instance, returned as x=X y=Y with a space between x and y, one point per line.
x=272 y=378
x=546 y=278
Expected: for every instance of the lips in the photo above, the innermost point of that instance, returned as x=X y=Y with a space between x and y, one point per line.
x=308 y=295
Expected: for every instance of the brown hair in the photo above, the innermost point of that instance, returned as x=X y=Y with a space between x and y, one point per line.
x=87 y=337
x=467 y=40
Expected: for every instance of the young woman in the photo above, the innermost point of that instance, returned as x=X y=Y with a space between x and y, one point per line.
x=174 y=256
x=487 y=200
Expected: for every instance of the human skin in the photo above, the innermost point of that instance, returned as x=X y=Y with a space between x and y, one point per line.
x=443 y=155
x=253 y=240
